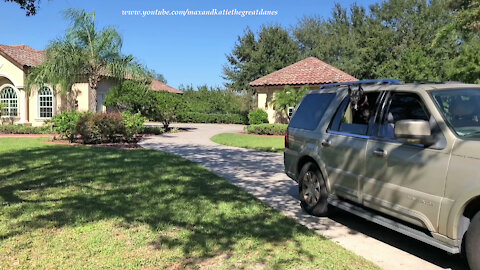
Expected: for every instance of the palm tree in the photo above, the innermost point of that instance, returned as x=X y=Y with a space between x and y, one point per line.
x=85 y=54
x=289 y=97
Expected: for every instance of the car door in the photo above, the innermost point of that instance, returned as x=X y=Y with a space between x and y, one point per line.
x=343 y=150
x=402 y=179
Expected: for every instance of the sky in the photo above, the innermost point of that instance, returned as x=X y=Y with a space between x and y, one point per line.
x=187 y=50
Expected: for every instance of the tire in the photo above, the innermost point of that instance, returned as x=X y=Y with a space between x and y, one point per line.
x=472 y=245
x=313 y=191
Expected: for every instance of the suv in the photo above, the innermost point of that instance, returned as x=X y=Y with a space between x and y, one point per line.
x=405 y=156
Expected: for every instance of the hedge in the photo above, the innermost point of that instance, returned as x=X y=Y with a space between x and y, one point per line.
x=199 y=117
x=22 y=129
x=257 y=116
x=267 y=129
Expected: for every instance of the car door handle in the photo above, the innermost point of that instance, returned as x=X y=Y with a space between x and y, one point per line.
x=380 y=153
x=326 y=143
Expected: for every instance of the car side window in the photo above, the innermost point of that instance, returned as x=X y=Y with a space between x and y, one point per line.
x=402 y=106
x=311 y=110
x=355 y=120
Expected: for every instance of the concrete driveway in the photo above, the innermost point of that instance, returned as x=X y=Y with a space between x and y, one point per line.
x=261 y=174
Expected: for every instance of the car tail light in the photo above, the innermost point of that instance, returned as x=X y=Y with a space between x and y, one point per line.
x=287 y=141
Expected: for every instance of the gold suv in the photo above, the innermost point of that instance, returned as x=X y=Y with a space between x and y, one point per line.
x=406 y=156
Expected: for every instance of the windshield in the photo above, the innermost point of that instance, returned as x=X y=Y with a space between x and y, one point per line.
x=461 y=109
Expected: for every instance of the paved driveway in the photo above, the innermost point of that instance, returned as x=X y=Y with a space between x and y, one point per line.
x=261 y=174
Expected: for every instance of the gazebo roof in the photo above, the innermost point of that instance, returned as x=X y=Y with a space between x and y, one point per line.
x=310 y=71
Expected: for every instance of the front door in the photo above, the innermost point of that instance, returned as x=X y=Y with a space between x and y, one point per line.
x=405 y=180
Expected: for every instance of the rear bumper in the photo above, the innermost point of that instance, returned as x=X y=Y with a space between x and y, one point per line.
x=289 y=161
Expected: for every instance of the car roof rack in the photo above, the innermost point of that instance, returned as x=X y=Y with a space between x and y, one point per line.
x=362 y=82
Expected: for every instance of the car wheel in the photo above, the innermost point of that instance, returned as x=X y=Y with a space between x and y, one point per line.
x=472 y=246
x=313 y=191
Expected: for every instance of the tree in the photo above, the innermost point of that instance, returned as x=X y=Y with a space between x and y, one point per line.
x=289 y=97
x=133 y=96
x=391 y=40
x=167 y=108
x=340 y=41
x=30 y=6
x=465 y=20
x=466 y=66
x=256 y=55
x=86 y=53
x=159 y=77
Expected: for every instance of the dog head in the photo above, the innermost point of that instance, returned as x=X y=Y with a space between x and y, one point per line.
x=355 y=96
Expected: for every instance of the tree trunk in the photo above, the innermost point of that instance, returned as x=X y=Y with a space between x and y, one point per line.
x=92 y=100
x=92 y=91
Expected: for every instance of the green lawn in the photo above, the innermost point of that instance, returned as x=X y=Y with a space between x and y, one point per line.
x=95 y=208
x=264 y=143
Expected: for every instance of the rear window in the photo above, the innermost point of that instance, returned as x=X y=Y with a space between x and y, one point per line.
x=311 y=110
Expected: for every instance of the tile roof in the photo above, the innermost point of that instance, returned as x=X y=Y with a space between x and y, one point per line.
x=22 y=55
x=310 y=71
x=160 y=86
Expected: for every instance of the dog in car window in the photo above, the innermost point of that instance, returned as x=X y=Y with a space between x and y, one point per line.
x=359 y=104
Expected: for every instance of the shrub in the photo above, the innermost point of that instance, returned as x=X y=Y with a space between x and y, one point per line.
x=199 y=117
x=133 y=123
x=152 y=130
x=22 y=129
x=132 y=96
x=65 y=124
x=215 y=100
x=167 y=104
x=287 y=98
x=267 y=129
x=101 y=127
x=257 y=116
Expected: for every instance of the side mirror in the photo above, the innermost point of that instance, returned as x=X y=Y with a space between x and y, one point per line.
x=414 y=131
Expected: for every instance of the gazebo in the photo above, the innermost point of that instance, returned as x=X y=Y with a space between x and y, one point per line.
x=310 y=72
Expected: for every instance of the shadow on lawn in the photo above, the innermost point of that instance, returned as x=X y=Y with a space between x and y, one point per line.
x=76 y=185
x=262 y=174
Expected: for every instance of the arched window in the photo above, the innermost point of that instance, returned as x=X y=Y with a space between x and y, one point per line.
x=8 y=98
x=45 y=102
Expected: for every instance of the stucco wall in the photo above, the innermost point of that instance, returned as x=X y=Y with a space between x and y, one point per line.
x=265 y=97
x=80 y=91
x=11 y=75
x=11 y=72
x=103 y=87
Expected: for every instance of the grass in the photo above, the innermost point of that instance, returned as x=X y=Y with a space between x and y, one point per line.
x=64 y=207
x=264 y=143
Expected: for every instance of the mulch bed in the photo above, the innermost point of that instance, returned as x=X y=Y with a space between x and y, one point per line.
x=124 y=146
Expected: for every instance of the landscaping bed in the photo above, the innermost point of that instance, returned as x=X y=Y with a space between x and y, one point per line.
x=23 y=129
x=96 y=208
x=267 y=129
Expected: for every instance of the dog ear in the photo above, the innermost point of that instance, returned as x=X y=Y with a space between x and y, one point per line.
x=349 y=90
x=360 y=89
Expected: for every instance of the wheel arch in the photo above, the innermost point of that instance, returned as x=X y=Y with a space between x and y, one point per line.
x=310 y=158
x=464 y=214
x=470 y=209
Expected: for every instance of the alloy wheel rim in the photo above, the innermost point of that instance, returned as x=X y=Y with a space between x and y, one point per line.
x=311 y=189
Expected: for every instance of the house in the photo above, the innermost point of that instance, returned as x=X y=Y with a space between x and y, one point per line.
x=310 y=72
x=39 y=105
